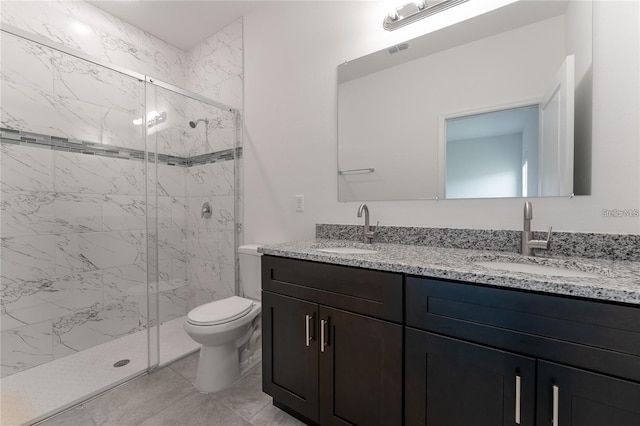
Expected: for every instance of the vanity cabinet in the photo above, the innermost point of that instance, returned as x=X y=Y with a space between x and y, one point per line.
x=333 y=341
x=453 y=382
x=478 y=355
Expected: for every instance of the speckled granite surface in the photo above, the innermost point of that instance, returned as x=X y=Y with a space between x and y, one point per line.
x=594 y=246
x=615 y=280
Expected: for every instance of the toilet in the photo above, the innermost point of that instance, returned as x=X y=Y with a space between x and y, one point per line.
x=223 y=326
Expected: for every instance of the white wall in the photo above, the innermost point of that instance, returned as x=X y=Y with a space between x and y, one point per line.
x=292 y=51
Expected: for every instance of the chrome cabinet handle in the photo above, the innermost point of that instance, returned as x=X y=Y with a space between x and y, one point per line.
x=308 y=337
x=323 y=335
x=518 y=396
x=556 y=397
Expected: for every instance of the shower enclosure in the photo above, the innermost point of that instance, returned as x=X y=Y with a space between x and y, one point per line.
x=103 y=245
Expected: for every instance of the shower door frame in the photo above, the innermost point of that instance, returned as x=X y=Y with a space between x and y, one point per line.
x=152 y=328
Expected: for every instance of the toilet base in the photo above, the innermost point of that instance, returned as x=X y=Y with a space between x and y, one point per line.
x=218 y=368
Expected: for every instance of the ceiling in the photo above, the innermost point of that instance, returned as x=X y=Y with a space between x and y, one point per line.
x=182 y=23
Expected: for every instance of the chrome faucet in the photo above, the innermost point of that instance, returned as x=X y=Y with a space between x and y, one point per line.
x=527 y=244
x=368 y=235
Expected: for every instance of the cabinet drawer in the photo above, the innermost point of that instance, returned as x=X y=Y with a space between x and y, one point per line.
x=595 y=335
x=374 y=293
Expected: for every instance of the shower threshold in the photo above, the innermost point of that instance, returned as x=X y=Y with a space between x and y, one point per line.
x=37 y=393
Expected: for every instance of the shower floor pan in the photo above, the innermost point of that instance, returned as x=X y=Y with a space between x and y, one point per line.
x=37 y=393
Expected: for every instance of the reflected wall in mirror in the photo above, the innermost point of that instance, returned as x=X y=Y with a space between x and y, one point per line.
x=395 y=107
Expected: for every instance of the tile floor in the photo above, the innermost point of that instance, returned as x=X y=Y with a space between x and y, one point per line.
x=167 y=397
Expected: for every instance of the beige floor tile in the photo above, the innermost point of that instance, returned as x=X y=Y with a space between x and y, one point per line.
x=245 y=397
x=273 y=416
x=77 y=417
x=142 y=398
x=196 y=410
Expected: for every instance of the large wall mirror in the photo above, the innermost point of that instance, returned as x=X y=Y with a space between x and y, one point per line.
x=496 y=106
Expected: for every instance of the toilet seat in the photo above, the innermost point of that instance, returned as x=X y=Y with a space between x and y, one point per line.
x=220 y=311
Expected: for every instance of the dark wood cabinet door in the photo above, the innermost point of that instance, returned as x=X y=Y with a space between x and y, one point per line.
x=360 y=370
x=450 y=382
x=583 y=398
x=290 y=360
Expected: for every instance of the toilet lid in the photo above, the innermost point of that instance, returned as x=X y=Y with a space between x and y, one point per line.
x=220 y=311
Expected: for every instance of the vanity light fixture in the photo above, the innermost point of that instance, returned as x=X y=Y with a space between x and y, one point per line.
x=416 y=10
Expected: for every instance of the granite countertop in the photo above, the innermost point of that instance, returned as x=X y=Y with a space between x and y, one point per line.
x=614 y=280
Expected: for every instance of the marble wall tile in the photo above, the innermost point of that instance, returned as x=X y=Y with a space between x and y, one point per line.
x=219 y=134
x=167 y=61
x=78 y=212
x=203 y=244
x=210 y=179
x=228 y=92
x=223 y=136
x=226 y=285
x=99 y=250
x=173 y=304
x=18 y=295
x=123 y=212
x=81 y=173
x=213 y=245
x=7 y=322
x=26 y=63
x=78 y=79
x=38 y=313
x=26 y=347
x=219 y=65
x=226 y=36
x=28 y=258
x=81 y=26
x=172 y=212
x=171 y=180
x=27 y=213
x=164 y=100
x=26 y=168
x=206 y=273
x=222 y=208
x=92 y=327
x=171 y=244
x=168 y=139
x=125 y=284
x=118 y=128
x=58 y=297
x=86 y=12
x=75 y=292
x=31 y=109
x=41 y=18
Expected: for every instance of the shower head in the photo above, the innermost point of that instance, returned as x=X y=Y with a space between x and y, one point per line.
x=193 y=124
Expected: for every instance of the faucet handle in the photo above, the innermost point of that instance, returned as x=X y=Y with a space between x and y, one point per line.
x=542 y=244
x=372 y=233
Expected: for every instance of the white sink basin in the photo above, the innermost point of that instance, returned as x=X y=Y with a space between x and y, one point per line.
x=537 y=269
x=347 y=250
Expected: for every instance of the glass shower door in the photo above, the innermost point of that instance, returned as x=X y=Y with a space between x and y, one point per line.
x=73 y=234
x=192 y=144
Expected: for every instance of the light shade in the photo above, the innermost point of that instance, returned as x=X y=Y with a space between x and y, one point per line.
x=414 y=11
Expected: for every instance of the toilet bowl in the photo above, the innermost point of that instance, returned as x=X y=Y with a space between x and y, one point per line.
x=222 y=326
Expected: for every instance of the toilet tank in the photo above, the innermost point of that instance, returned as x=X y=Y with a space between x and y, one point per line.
x=250 y=270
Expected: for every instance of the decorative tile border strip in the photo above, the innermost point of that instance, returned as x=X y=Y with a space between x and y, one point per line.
x=28 y=139
x=588 y=245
